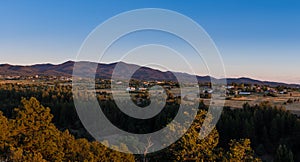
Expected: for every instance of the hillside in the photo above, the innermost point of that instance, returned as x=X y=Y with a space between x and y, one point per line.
x=105 y=71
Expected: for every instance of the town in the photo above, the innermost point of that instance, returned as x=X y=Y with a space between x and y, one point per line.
x=236 y=94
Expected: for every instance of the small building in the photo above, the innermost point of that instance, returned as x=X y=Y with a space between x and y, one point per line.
x=130 y=89
x=244 y=93
x=229 y=87
x=119 y=82
x=283 y=92
x=142 y=89
x=209 y=91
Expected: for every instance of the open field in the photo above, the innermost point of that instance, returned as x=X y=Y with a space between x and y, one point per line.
x=294 y=108
x=279 y=101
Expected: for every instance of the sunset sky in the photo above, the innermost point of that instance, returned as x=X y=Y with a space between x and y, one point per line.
x=257 y=39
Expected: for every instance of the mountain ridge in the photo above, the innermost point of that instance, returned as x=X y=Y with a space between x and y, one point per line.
x=105 y=71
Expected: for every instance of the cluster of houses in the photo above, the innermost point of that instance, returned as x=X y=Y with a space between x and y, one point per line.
x=242 y=90
x=206 y=91
x=254 y=89
x=133 y=89
x=145 y=85
x=36 y=77
x=4 y=77
x=137 y=86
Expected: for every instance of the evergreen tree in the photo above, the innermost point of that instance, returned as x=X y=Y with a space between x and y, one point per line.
x=4 y=136
x=241 y=151
x=190 y=147
x=283 y=154
x=34 y=133
x=32 y=137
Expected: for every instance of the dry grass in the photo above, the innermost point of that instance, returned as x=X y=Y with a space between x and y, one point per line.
x=279 y=101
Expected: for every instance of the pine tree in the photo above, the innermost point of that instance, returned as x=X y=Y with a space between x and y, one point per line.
x=4 y=136
x=34 y=133
x=32 y=137
x=190 y=147
x=241 y=151
x=283 y=154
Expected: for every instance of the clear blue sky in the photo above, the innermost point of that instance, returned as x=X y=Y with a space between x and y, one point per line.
x=256 y=38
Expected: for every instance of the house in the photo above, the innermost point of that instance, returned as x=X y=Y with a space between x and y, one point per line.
x=229 y=87
x=119 y=82
x=130 y=89
x=283 y=92
x=142 y=89
x=244 y=93
x=209 y=91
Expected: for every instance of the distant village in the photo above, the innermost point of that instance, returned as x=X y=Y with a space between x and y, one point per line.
x=36 y=77
x=136 y=86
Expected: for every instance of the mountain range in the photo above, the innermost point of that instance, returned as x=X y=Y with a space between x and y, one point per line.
x=105 y=71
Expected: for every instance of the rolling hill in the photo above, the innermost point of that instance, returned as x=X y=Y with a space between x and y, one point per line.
x=105 y=71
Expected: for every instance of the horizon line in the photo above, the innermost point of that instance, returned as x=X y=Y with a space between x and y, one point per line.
x=226 y=77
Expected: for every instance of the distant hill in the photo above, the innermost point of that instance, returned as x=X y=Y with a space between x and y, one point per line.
x=258 y=82
x=105 y=71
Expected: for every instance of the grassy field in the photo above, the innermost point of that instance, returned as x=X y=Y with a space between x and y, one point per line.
x=279 y=101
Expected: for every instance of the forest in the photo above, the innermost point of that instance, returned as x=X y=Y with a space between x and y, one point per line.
x=40 y=123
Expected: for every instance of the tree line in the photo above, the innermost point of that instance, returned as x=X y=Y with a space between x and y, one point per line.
x=246 y=134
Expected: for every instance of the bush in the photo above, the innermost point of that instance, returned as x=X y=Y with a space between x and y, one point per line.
x=290 y=101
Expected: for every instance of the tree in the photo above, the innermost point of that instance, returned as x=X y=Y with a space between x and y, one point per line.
x=34 y=133
x=283 y=154
x=190 y=147
x=241 y=151
x=4 y=136
x=31 y=136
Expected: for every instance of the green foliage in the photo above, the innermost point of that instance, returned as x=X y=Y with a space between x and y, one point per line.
x=39 y=137
x=34 y=133
x=190 y=147
x=4 y=136
x=32 y=137
x=241 y=151
x=266 y=126
x=283 y=154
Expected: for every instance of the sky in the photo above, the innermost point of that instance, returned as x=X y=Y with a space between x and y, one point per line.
x=256 y=38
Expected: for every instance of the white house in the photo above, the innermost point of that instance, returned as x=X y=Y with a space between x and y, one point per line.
x=130 y=89
x=244 y=93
